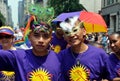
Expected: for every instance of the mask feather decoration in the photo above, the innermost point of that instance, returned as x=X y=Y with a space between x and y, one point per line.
x=38 y=14
x=70 y=24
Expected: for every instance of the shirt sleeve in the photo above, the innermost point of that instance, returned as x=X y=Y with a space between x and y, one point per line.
x=112 y=65
x=7 y=60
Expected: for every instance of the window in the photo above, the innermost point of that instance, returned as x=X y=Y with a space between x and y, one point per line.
x=104 y=3
x=108 y=2
x=111 y=1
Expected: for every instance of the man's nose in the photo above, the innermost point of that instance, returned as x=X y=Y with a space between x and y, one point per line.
x=41 y=39
x=112 y=44
x=71 y=35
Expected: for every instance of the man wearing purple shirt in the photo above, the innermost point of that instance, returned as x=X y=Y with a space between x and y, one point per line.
x=36 y=64
x=58 y=42
x=81 y=62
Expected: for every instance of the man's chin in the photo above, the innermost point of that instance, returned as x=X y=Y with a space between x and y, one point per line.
x=118 y=53
x=74 y=44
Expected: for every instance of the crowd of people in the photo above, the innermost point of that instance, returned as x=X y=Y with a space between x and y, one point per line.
x=67 y=53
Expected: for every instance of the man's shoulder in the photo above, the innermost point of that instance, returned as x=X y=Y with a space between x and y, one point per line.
x=97 y=50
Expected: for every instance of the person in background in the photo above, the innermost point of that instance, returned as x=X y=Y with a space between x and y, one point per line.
x=58 y=42
x=18 y=34
x=99 y=45
x=19 y=41
x=114 y=57
x=81 y=62
x=7 y=38
x=105 y=42
x=7 y=43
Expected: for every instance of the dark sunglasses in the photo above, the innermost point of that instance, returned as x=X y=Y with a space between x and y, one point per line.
x=6 y=36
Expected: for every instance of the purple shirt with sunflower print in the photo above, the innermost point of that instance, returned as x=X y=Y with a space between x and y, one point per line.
x=28 y=67
x=90 y=65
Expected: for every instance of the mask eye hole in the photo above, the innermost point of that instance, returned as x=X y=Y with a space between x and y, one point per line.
x=75 y=30
x=66 y=32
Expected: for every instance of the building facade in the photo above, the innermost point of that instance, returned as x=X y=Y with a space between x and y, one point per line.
x=21 y=13
x=6 y=12
x=10 y=21
x=92 y=5
x=3 y=9
x=111 y=13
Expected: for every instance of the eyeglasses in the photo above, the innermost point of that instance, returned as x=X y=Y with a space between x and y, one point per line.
x=6 y=36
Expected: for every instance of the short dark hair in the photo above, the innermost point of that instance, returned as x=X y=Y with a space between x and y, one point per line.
x=117 y=32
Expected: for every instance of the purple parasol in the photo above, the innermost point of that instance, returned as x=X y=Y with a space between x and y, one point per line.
x=64 y=16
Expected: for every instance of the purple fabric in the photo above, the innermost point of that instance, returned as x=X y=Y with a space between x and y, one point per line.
x=24 y=62
x=0 y=46
x=94 y=59
x=64 y=16
x=113 y=66
x=58 y=42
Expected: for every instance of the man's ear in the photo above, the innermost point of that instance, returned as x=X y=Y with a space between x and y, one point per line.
x=84 y=31
x=51 y=38
x=29 y=36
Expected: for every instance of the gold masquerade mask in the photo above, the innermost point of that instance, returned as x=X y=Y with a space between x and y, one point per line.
x=69 y=27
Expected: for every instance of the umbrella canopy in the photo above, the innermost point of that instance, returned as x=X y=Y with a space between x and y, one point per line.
x=64 y=16
x=93 y=22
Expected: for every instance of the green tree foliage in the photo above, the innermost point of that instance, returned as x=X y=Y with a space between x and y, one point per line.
x=2 y=20
x=61 y=6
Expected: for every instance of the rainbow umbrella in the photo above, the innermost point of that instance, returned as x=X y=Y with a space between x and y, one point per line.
x=93 y=22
